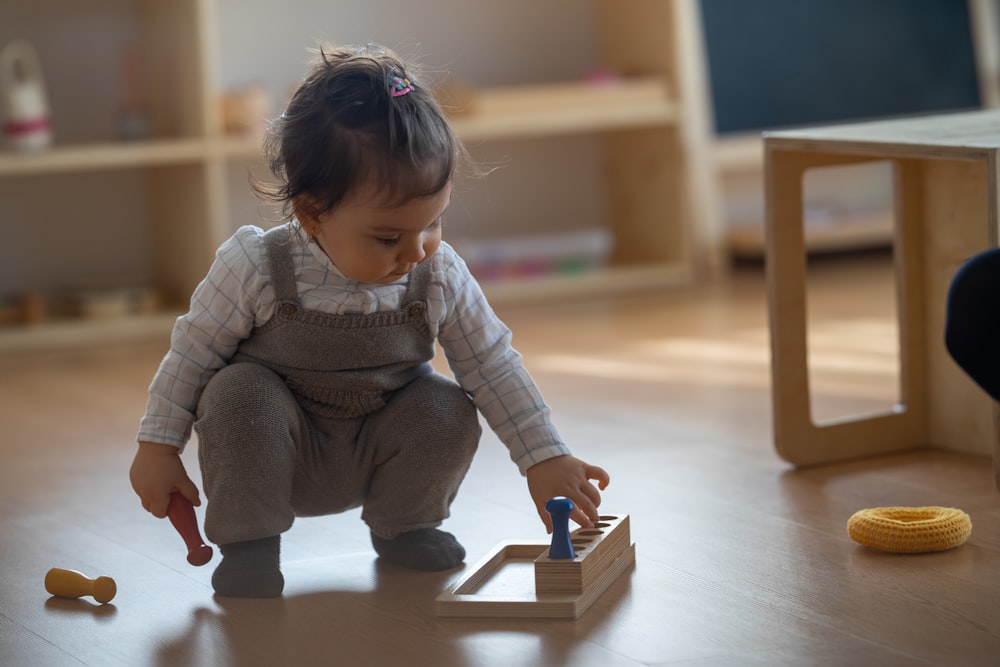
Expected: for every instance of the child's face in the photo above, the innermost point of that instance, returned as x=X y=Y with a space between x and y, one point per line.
x=374 y=243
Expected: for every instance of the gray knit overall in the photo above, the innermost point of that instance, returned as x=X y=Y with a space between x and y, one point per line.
x=319 y=413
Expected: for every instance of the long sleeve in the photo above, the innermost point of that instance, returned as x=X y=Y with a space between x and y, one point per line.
x=478 y=347
x=222 y=313
x=237 y=295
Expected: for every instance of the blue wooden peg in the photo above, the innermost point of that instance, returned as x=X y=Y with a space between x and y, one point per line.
x=559 y=509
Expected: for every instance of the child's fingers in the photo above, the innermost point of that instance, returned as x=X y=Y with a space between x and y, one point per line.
x=546 y=519
x=583 y=517
x=188 y=489
x=157 y=505
x=592 y=494
x=586 y=502
x=599 y=475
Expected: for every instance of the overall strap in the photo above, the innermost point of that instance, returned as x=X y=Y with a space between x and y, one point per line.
x=277 y=242
x=416 y=286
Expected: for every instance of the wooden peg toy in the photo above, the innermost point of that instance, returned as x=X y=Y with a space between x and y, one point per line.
x=559 y=509
x=181 y=513
x=73 y=584
x=558 y=580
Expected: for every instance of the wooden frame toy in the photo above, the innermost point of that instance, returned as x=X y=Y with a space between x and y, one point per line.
x=564 y=586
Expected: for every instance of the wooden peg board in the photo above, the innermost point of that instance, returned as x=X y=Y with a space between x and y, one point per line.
x=521 y=581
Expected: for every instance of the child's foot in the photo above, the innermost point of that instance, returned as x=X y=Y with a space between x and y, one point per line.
x=427 y=549
x=250 y=569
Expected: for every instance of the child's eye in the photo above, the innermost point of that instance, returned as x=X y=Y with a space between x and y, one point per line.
x=394 y=240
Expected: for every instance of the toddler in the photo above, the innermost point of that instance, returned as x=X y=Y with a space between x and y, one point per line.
x=303 y=364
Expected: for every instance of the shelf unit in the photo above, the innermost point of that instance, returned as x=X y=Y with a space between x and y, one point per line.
x=647 y=120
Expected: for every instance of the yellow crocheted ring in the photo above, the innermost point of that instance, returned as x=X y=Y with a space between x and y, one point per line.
x=910 y=530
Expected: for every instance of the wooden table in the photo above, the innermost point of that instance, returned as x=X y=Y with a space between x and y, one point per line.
x=946 y=210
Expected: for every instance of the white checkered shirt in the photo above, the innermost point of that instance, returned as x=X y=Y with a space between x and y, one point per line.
x=237 y=295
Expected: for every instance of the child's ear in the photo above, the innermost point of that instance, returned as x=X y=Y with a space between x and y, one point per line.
x=307 y=212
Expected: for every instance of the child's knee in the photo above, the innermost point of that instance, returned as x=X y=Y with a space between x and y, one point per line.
x=241 y=387
x=240 y=380
x=433 y=416
x=448 y=409
x=243 y=399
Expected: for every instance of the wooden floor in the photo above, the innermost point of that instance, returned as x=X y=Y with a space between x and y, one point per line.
x=741 y=560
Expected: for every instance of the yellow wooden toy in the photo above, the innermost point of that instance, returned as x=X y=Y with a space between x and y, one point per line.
x=73 y=584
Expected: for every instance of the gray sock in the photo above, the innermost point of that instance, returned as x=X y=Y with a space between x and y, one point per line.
x=250 y=569
x=427 y=549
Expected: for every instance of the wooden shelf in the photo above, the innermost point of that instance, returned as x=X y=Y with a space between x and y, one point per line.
x=89 y=157
x=744 y=152
x=565 y=108
x=237 y=148
x=539 y=110
x=68 y=334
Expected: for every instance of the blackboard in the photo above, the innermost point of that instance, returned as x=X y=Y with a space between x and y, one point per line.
x=781 y=63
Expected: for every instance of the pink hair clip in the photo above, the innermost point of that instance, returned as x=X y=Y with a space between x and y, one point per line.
x=401 y=86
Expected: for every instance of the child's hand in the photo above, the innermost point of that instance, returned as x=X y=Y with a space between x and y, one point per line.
x=156 y=472
x=570 y=477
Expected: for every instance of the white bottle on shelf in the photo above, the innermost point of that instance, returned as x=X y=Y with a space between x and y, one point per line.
x=26 y=125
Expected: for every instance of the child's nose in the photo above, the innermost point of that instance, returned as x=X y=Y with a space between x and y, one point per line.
x=412 y=253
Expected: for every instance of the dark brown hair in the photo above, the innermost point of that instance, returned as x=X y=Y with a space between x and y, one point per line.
x=343 y=128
